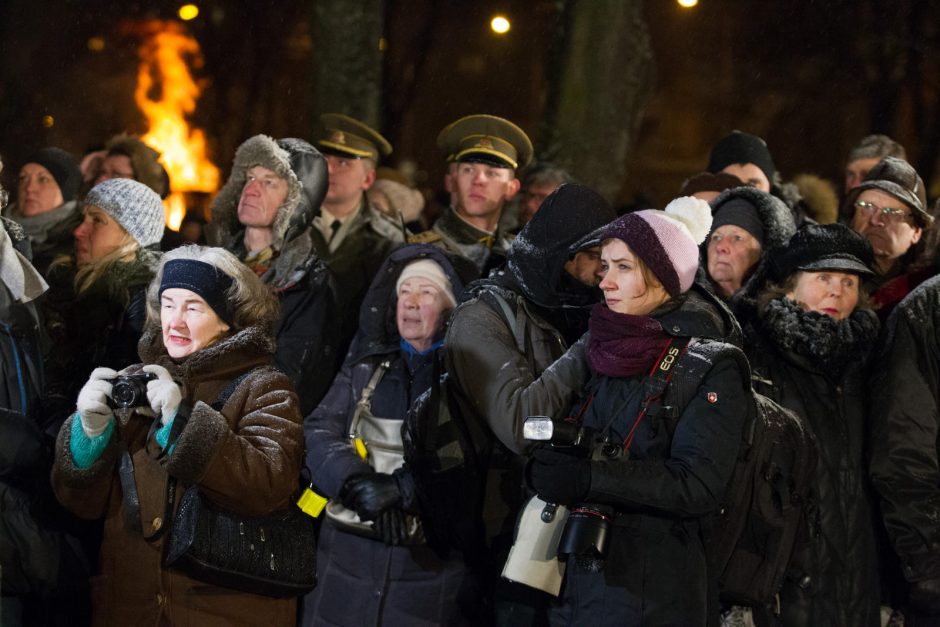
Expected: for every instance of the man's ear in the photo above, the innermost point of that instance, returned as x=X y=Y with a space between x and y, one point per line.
x=512 y=188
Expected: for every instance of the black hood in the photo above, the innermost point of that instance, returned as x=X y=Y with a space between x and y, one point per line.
x=702 y=314
x=378 y=331
x=537 y=257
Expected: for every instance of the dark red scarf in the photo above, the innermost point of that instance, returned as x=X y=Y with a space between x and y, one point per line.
x=623 y=345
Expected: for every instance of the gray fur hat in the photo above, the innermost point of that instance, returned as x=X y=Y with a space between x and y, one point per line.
x=294 y=160
x=136 y=207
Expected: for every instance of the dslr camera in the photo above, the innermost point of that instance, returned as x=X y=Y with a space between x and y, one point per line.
x=587 y=529
x=130 y=390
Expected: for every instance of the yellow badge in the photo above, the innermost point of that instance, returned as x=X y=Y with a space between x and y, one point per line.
x=338 y=137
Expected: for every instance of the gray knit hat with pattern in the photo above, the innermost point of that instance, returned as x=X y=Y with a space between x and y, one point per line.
x=135 y=206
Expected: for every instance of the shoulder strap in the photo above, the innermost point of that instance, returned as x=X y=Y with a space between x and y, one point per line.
x=365 y=398
x=656 y=382
x=510 y=317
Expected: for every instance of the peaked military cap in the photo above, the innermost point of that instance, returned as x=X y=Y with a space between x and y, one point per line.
x=486 y=138
x=349 y=137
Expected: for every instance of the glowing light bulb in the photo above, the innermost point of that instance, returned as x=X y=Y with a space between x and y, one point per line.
x=687 y=4
x=500 y=25
x=188 y=12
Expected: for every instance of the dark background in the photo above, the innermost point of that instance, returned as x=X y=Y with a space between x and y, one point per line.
x=811 y=77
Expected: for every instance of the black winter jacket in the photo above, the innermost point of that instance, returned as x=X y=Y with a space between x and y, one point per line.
x=905 y=453
x=789 y=353
x=665 y=488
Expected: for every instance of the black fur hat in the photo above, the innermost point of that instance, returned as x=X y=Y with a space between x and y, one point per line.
x=818 y=247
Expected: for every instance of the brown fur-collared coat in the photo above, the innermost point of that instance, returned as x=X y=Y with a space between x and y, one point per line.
x=246 y=458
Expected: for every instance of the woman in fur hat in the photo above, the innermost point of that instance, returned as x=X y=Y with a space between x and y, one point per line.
x=650 y=481
x=216 y=414
x=808 y=345
x=95 y=312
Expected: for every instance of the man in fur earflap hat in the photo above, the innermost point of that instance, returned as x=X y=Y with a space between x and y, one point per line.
x=262 y=214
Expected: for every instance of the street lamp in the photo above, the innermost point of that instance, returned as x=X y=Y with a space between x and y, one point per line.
x=500 y=24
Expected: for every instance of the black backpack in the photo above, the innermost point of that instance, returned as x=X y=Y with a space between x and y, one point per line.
x=763 y=512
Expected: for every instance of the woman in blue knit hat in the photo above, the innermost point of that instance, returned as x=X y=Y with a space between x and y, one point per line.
x=215 y=414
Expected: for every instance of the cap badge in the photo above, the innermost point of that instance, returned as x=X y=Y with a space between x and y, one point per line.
x=485 y=142
x=338 y=137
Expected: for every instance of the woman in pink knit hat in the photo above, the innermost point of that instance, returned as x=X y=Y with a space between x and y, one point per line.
x=633 y=542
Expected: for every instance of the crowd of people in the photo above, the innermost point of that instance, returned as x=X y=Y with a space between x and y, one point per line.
x=314 y=337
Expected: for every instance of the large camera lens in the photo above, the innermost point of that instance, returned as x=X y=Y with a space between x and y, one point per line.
x=130 y=390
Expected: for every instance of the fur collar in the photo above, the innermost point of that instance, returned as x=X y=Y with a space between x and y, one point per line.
x=834 y=343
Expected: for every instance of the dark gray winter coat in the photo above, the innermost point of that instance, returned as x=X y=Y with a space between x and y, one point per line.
x=504 y=371
x=364 y=581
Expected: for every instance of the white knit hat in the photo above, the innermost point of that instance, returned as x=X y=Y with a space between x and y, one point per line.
x=430 y=270
x=133 y=205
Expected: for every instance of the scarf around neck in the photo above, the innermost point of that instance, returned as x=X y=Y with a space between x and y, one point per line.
x=834 y=343
x=623 y=345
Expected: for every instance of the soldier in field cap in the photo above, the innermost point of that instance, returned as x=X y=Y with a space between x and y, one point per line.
x=487 y=151
x=349 y=234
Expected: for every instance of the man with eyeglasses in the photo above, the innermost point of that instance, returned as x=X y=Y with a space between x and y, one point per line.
x=487 y=151
x=890 y=209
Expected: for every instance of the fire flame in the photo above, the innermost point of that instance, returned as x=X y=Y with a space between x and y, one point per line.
x=183 y=148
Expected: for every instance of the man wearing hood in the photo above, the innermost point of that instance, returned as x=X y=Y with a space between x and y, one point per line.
x=505 y=370
x=263 y=215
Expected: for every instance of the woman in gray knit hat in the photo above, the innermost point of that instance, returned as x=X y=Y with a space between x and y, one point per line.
x=95 y=311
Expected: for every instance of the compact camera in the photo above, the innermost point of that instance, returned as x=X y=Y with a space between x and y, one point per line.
x=130 y=390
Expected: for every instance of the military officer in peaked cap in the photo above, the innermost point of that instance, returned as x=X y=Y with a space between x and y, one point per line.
x=487 y=151
x=349 y=234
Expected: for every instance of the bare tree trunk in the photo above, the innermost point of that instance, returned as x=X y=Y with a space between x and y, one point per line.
x=600 y=77
x=348 y=59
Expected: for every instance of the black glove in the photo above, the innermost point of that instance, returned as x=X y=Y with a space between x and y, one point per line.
x=925 y=595
x=392 y=526
x=559 y=477
x=371 y=494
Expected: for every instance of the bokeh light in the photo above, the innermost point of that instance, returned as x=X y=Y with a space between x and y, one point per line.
x=188 y=12
x=500 y=24
x=687 y=4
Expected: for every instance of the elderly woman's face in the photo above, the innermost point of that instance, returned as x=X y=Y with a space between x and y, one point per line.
x=832 y=293
x=38 y=191
x=189 y=323
x=731 y=253
x=420 y=312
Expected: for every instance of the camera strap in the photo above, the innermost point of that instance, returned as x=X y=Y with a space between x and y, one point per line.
x=656 y=382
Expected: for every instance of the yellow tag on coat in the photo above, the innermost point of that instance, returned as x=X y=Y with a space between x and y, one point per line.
x=361 y=448
x=311 y=503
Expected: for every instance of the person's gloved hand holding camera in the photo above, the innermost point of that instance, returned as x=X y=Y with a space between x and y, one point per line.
x=93 y=409
x=163 y=394
x=559 y=476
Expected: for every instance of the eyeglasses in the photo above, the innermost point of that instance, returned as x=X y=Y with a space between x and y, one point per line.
x=888 y=214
